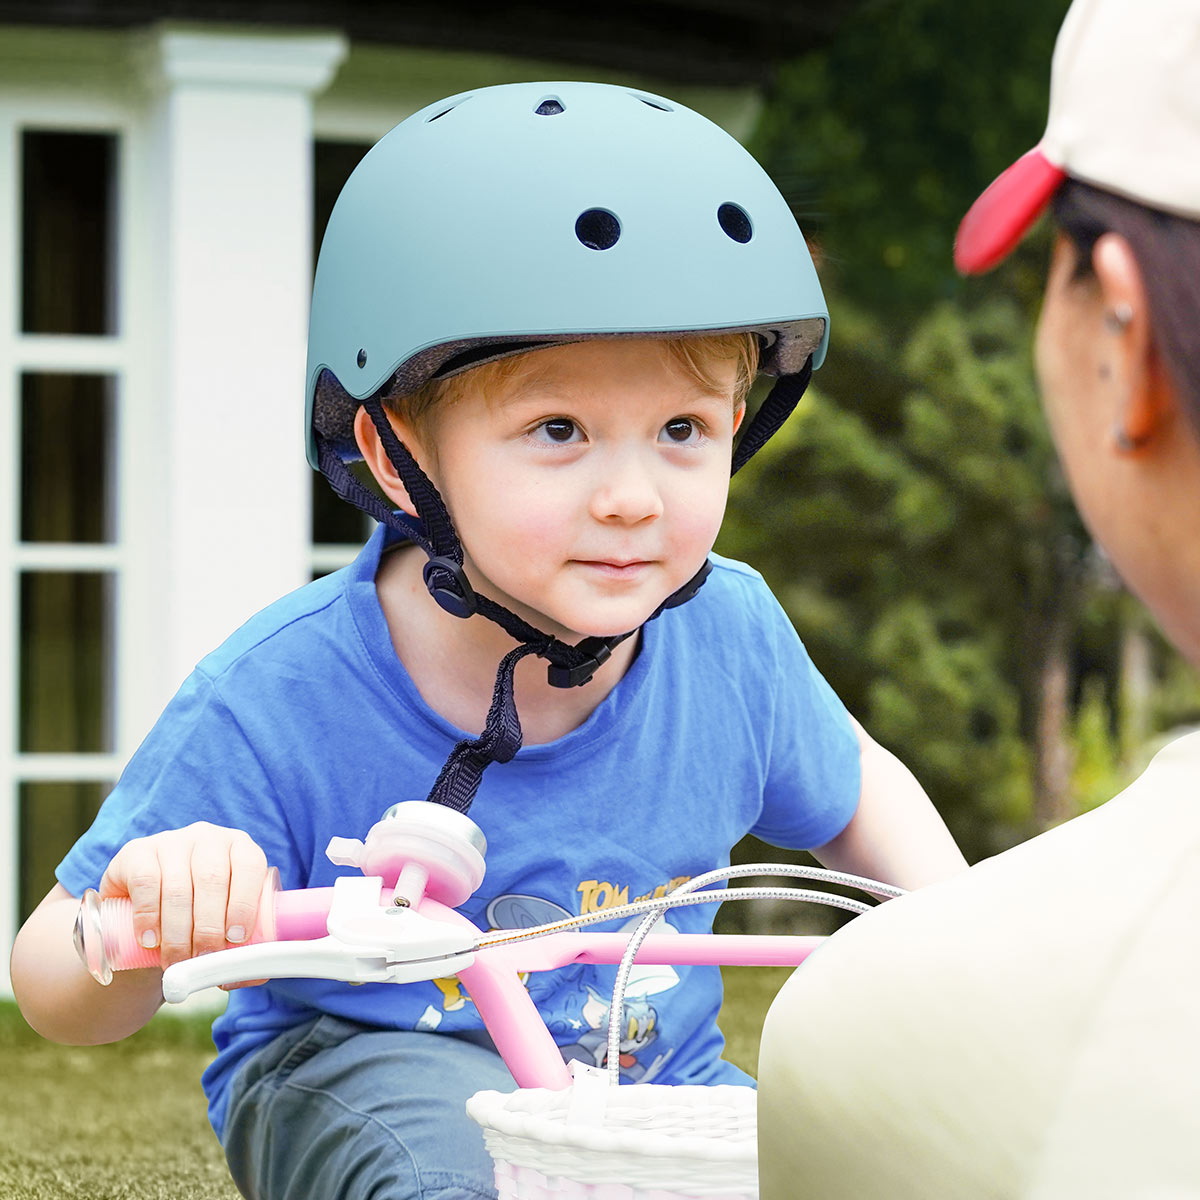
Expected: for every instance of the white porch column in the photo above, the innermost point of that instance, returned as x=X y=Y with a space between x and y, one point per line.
x=231 y=187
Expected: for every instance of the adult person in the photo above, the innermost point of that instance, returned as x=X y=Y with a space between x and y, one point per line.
x=1031 y=1028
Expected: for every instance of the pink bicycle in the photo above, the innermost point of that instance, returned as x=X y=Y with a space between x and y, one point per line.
x=563 y=1132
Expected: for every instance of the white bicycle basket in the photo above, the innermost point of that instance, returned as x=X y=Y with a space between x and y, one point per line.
x=637 y=1142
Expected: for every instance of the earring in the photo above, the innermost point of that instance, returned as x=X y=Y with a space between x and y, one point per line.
x=1125 y=443
x=1116 y=319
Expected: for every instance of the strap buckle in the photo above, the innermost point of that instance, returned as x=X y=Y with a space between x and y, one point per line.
x=598 y=651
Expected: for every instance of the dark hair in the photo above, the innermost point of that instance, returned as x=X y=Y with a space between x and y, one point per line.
x=1167 y=249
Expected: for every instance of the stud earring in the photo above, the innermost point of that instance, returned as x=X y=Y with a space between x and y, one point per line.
x=1125 y=442
x=1116 y=319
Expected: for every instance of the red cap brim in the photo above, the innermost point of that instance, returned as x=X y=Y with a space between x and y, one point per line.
x=1000 y=218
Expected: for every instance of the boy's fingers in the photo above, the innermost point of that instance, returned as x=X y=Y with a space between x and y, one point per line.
x=233 y=987
x=248 y=872
x=176 y=912
x=135 y=872
x=210 y=893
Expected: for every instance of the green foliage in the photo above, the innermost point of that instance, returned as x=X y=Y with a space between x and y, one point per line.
x=905 y=520
x=1176 y=700
x=912 y=518
x=1097 y=775
x=882 y=139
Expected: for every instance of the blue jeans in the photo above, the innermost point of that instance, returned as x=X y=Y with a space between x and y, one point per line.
x=332 y=1110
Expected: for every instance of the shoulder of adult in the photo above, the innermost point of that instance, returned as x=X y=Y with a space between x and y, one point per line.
x=995 y=984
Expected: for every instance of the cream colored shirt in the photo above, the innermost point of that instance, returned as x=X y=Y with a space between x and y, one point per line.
x=1030 y=1028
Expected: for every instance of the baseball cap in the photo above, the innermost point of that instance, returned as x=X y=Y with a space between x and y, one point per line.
x=1124 y=116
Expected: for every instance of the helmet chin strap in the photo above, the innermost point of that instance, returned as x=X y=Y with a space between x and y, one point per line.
x=569 y=666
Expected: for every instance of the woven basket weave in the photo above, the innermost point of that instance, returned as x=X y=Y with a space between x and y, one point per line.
x=652 y=1142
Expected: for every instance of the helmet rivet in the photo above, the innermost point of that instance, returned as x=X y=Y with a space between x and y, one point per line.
x=362 y=358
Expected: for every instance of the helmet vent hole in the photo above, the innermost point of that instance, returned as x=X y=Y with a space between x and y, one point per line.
x=437 y=116
x=362 y=359
x=549 y=107
x=598 y=229
x=733 y=220
x=655 y=102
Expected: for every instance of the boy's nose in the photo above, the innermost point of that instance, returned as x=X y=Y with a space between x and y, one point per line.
x=626 y=492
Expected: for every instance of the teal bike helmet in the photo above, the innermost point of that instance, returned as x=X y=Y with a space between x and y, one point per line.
x=524 y=215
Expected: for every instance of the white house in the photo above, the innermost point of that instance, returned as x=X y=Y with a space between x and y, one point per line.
x=162 y=187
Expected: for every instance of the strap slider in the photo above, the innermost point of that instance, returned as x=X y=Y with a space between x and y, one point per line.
x=598 y=651
x=449 y=586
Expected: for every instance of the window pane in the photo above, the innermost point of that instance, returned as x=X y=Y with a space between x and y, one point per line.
x=66 y=658
x=68 y=239
x=67 y=472
x=52 y=817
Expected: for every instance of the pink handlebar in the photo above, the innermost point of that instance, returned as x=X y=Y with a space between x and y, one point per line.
x=301 y=915
x=105 y=939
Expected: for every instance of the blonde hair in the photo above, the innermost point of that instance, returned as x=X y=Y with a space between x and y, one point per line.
x=696 y=355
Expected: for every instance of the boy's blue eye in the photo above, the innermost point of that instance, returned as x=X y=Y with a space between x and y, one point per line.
x=681 y=430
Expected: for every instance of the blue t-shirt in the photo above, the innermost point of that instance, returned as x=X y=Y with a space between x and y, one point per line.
x=305 y=725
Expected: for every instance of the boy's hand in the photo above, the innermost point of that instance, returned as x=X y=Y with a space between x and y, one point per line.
x=193 y=890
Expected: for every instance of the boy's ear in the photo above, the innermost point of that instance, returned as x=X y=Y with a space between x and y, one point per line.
x=739 y=414
x=376 y=458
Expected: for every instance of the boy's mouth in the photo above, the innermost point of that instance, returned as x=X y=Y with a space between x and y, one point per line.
x=616 y=567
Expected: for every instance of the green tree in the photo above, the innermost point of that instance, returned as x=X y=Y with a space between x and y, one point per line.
x=905 y=520
x=882 y=139
x=912 y=518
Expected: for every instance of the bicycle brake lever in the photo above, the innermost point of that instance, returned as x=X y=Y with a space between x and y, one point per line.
x=367 y=943
x=324 y=958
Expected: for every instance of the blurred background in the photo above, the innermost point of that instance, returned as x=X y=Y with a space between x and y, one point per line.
x=166 y=171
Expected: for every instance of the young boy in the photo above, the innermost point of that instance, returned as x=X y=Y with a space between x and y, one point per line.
x=537 y=314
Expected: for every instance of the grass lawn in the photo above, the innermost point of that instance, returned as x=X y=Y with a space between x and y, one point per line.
x=127 y=1121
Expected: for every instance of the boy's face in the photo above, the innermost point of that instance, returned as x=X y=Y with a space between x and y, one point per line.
x=588 y=487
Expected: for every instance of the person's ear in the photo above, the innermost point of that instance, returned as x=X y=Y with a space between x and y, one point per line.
x=1130 y=358
x=739 y=415
x=370 y=445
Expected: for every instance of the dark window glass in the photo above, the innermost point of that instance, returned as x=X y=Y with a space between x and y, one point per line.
x=67 y=461
x=66 y=661
x=52 y=816
x=68 y=232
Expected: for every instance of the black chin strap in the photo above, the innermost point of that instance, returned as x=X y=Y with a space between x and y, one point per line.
x=569 y=666
x=459 y=780
x=776 y=408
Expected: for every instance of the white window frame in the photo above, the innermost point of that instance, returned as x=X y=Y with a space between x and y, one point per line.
x=51 y=107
